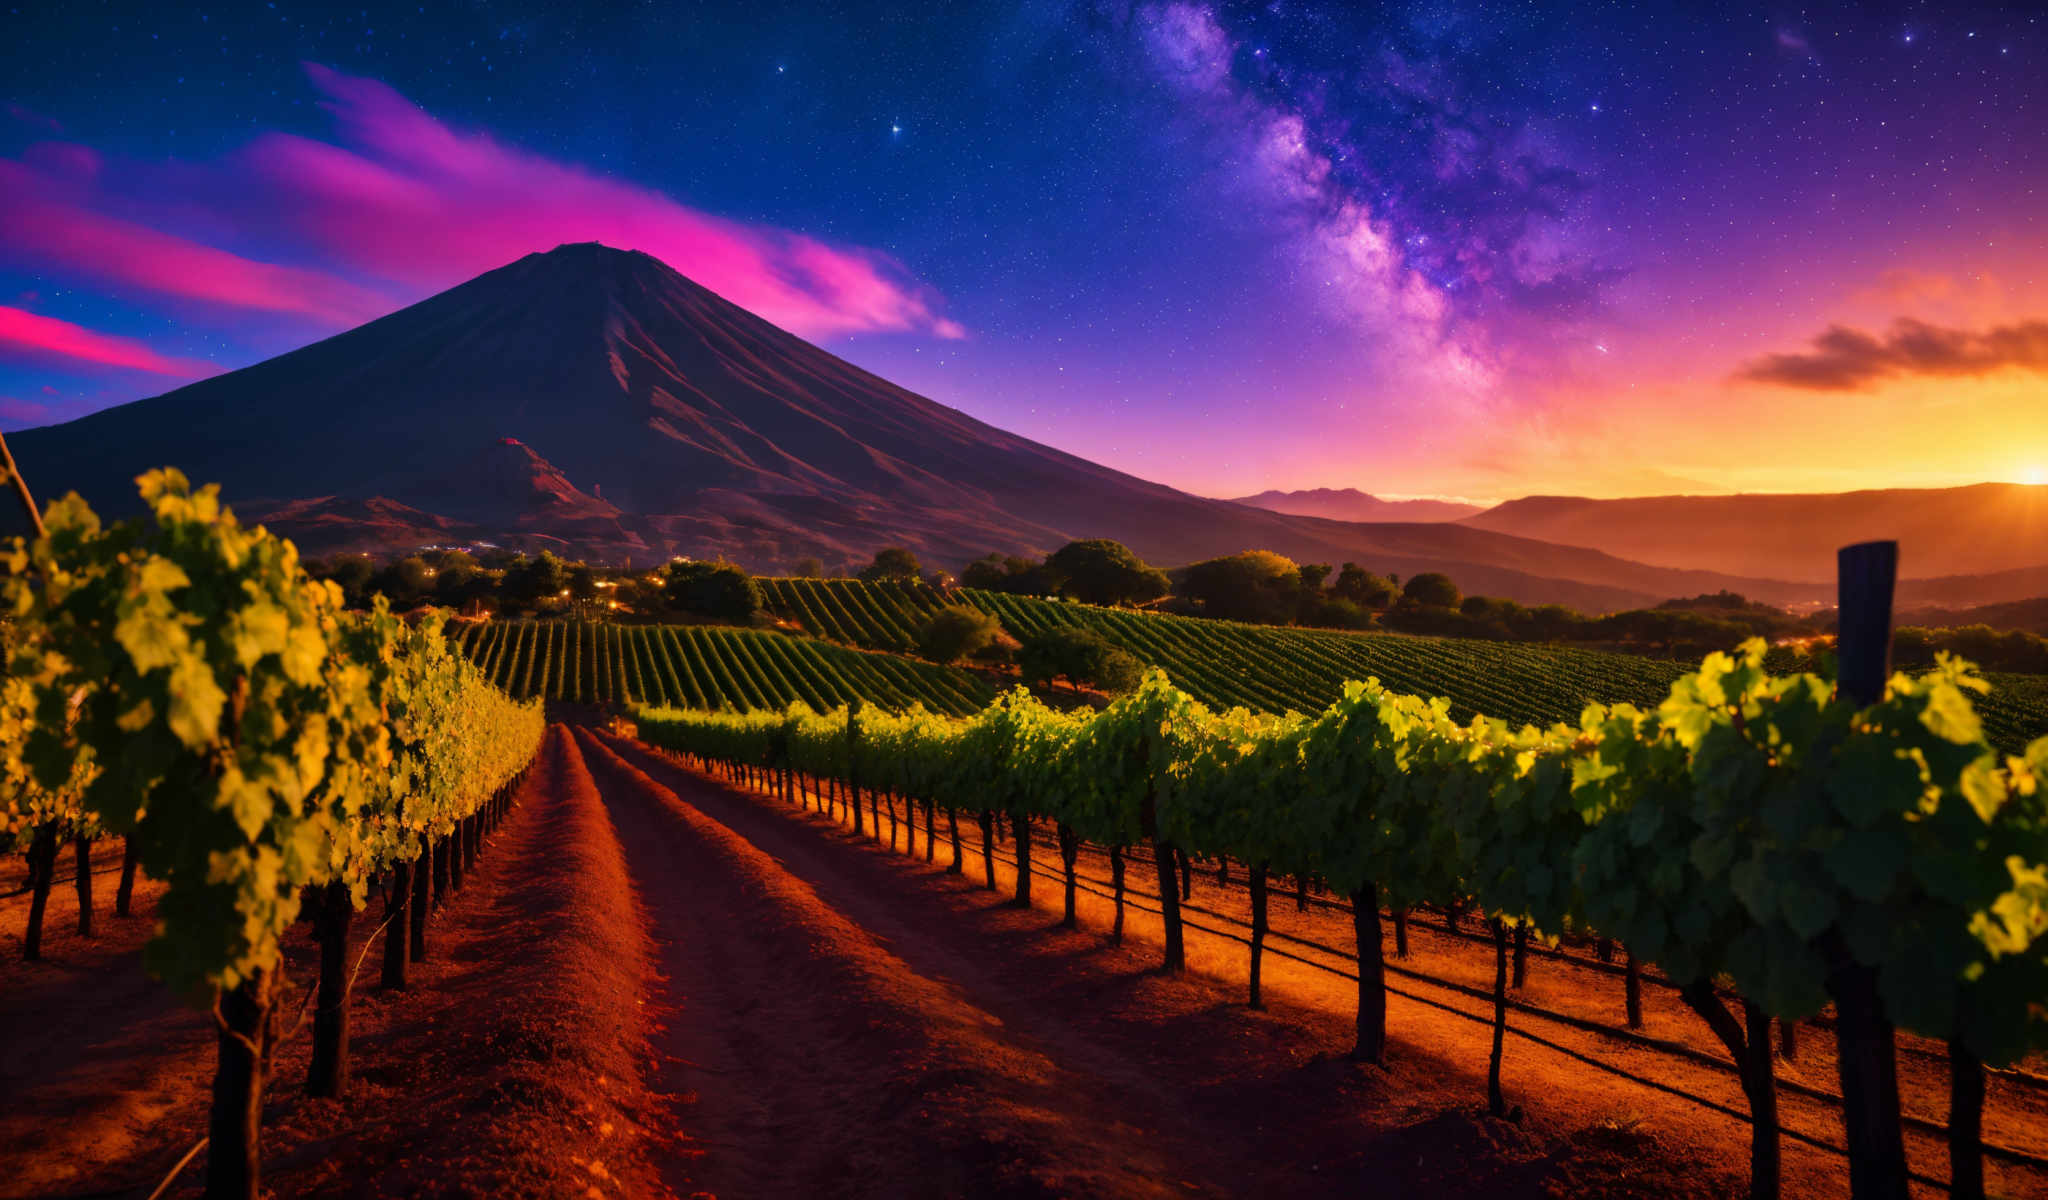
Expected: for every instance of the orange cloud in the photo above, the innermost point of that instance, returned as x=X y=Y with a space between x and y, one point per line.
x=1844 y=359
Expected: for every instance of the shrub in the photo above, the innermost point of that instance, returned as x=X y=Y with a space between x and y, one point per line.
x=1431 y=589
x=1100 y=571
x=956 y=632
x=894 y=563
x=1081 y=656
x=717 y=590
x=1256 y=585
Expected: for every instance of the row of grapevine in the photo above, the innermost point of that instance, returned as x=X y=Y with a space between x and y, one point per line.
x=877 y=616
x=699 y=666
x=180 y=682
x=1275 y=669
x=1753 y=828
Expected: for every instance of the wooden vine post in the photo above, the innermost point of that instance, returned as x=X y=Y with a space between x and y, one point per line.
x=1163 y=863
x=1866 y=1058
x=1371 y=1023
x=853 y=762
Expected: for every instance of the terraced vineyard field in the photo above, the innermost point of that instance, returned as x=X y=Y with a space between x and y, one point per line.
x=1272 y=669
x=878 y=616
x=698 y=667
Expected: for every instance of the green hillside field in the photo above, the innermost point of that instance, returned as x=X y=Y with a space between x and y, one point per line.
x=1226 y=663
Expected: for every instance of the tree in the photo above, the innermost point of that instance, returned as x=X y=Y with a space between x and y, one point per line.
x=809 y=568
x=457 y=585
x=989 y=572
x=957 y=631
x=1009 y=573
x=894 y=563
x=1100 y=571
x=718 y=590
x=1081 y=656
x=404 y=581
x=1431 y=589
x=528 y=581
x=582 y=582
x=1313 y=575
x=352 y=572
x=1363 y=588
x=1333 y=612
x=1256 y=585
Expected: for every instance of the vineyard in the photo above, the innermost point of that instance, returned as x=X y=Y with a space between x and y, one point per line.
x=1757 y=829
x=181 y=684
x=1762 y=851
x=876 y=616
x=706 y=667
x=1227 y=664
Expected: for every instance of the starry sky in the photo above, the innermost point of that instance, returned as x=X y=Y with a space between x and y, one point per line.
x=1431 y=249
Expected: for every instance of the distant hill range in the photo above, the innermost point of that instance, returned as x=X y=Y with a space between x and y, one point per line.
x=1350 y=504
x=2030 y=615
x=1983 y=530
x=595 y=402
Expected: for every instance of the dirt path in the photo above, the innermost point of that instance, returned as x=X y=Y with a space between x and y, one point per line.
x=828 y=1056
x=824 y=978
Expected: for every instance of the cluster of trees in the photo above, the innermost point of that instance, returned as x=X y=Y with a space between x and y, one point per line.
x=1682 y=631
x=1268 y=588
x=1093 y=571
x=511 y=584
x=1255 y=586
x=505 y=581
x=1082 y=657
x=717 y=590
x=1992 y=649
x=960 y=631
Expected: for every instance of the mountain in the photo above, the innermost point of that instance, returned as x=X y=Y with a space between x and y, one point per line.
x=1350 y=504
x=1983 y=530
x=597 y=402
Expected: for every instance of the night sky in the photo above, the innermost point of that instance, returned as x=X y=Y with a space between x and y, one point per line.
x=1431 y=249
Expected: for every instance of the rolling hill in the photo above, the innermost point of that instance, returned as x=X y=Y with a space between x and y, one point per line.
x=1990 y=529
x=1350 y=504
x=595 y=401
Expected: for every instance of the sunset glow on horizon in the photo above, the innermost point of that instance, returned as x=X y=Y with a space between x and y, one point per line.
x=1462 y=253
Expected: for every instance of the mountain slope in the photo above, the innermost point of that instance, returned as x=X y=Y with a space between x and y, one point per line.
x=1988 y=528
x=1350 y=504
x=595 y=400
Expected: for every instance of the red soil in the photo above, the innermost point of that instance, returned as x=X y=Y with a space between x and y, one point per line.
x=1083 y=1070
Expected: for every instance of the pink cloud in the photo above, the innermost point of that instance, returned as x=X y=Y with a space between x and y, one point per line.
x=44 y=205
x=26 y=332
x=409 y=199
x=402 y=205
